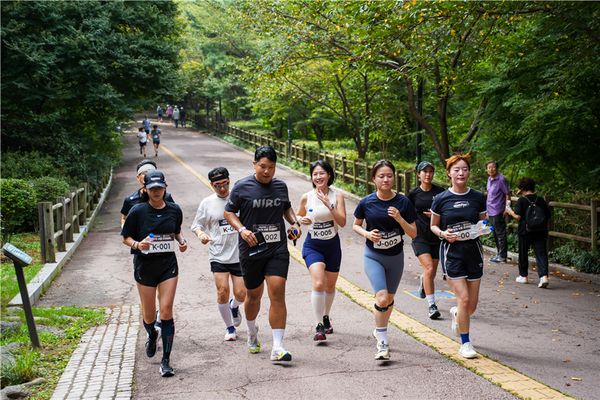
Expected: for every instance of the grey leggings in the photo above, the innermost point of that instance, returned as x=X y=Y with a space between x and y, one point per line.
x=384 y=272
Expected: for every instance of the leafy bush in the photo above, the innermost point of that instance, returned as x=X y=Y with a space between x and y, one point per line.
x=49 y=188
x=18 y=206
x=512 y=241
x=571 y=255
x=29 y=165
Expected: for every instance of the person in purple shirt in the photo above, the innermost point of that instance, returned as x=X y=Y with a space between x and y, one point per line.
x=498 y=197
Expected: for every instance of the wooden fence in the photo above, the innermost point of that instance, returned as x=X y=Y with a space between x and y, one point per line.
x=359 y=173
x=72 y=210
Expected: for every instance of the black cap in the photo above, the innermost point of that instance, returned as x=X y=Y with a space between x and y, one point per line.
x=423 y=165
x=154 y=179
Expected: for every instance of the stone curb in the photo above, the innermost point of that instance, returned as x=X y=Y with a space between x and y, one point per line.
x=44 y=277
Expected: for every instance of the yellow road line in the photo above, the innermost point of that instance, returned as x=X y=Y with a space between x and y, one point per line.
x=501 y=375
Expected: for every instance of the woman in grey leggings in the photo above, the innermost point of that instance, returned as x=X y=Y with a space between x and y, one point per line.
x=388 y=215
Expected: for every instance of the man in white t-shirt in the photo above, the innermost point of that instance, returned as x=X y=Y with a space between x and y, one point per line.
x=143 y=136
x=211 y=227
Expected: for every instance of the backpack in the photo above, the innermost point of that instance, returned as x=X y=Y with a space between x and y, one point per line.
x=535 y=219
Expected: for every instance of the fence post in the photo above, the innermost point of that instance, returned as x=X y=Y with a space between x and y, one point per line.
x=594 y=220
x=47 y=241
x=550 y=244
x=407 y=178
x=398 y=178
x=61 y=244
x=81 y=202
x=75 y=201
x=367 y=178
x=304 y=155
x=68 y=206
x=354 y=172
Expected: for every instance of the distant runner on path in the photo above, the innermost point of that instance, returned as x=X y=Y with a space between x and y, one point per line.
x=156 y=134
x=153 y=231
x=211 y=227
x=323 y=210
x=388 y=215
x=143 y=138
x=263 y=202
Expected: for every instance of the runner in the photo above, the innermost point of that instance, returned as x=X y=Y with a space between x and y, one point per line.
x=176 y=116
x=143 y=137
x=389 y=215
x=159 y=111
x=323 y=210
x=156 y=134
x=462 y=261
x=263 y=202
x=155 y=261
x=169 y=112
x=426 y=245
x=146 y=122
x=182 y=117
x=211 y=227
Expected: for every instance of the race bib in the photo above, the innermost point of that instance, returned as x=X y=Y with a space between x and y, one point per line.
x=271 y=232
x=163 y=243
x=388 y=240
x=225 y=228
x=462 y=230
x=323 y=230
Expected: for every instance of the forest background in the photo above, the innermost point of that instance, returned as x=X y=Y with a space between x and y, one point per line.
x=515 y=82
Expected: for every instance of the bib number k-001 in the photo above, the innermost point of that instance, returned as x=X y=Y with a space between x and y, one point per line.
x=163 y=243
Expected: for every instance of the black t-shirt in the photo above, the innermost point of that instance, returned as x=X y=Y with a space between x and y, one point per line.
x=375 y=212
x=182 y=114
x=261 y=207
x=155 y=134
x=134 y=199
x=143 y=219
x=521 y=209
x=455 y=208
x=422 y=201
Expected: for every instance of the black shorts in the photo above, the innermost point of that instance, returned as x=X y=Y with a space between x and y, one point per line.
x=152 y=270
x=421 y=248
x=156 y=141
x=233 y=269
x=254 y=271
x=462 y=260
x=142 y=144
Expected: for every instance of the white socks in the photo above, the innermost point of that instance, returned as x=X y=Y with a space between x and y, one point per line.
x=318 y=300
x=329 y=301
x=382 y=334
x=278 y=337
x=251 y=326
x=226 y=314
x=234 y=303
x=431 y=299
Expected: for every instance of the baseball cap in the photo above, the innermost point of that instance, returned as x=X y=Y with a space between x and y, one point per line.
x=423 y=165
x=153 y=179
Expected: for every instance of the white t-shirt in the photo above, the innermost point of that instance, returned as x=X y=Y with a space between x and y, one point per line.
x=209 y=218
x=324 y=226
x=142 y=136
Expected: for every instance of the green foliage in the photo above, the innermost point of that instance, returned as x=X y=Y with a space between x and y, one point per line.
x=572 y=255
x=18 y=206
x=23 y=369
x=48 y=188
x=29 y=165
x=512 y=241
x=30 y=244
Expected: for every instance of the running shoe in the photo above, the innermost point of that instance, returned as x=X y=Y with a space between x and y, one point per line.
x=236 y=314
x=434 y=313
x=151 y=345
x=280 y=354
x=230 y=335
x=497 y=260
x=165 y=368
x=320 y=335
x=455 y=330
x=543 y=282
x=375 y=335
x=383 y=351
x=493 y=258
x=253 y=343
x=522 y=279
x=327 y=325
x=422 y=289
x=467 y=350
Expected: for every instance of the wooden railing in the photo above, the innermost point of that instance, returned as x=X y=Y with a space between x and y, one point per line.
x=72 y=210
x=359 y=173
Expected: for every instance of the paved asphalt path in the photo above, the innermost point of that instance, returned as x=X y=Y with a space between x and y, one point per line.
x=550 y=335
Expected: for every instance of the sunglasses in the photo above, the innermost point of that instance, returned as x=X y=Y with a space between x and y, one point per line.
x=223 y=186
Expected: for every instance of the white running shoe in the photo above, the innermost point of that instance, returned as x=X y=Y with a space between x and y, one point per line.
x=235 y=314
x=522 y=279
x=467 y=351
x=383 y=351
x=253 y=343
x=280 y=354
x=230 y=336
x=455 y=330
x=543 y=282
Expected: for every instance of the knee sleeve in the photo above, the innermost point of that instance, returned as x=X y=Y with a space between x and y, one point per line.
x=382 y=309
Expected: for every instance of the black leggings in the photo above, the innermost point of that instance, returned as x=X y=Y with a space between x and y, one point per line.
x=538 y=242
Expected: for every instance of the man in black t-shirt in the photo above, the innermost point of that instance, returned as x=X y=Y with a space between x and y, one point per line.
x=263 y=202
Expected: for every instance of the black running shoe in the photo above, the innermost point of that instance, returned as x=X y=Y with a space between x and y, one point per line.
x=327 y=325
x=165 y=368
x=434 y=313
x=320 y=335
x=151 y=345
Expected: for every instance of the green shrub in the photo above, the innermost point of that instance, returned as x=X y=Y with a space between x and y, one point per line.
x=18 y=208
x=49 y=188
x=29 y=165
x=588 y=261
